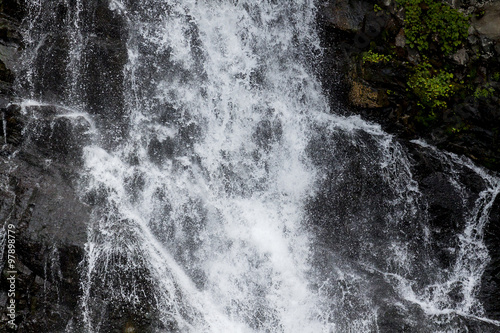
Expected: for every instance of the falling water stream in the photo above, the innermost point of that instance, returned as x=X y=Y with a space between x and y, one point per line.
x=227 y=196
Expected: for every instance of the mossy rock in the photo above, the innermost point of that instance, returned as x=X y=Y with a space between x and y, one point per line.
x=362 y=95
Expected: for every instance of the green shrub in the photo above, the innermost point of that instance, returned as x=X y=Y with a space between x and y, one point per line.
x=484 y=92
x=371 y=56
x=432 y=87
x=428 y=21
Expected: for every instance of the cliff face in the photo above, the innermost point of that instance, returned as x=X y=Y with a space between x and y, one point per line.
x=37 y=172
x=39 y=169
x=370 y=62
x=420 y=82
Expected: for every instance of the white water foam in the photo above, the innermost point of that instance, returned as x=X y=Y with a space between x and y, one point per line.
x=243 y=200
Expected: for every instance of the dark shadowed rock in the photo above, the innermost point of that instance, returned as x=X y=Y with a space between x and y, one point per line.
x=58 y=133
x=490 y=286
x=487 y=24
x=40 y=156
x=345 y=15
x=103 y=80
x=39 y=198
x=38 y=178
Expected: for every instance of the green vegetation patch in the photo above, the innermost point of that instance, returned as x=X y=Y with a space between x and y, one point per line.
x=484 y=92
x=428 y=21
x=374 y=57
x=432 y=87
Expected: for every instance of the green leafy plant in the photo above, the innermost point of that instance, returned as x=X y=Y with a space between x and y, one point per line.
x=377 y=8
x=428 y=21
x=458 y=128
x=484 y=92
x=371 y=56
x=480 y=13
x=431 y=86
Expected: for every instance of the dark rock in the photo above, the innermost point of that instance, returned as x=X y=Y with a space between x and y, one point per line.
x=51 y=225
x=50 y=68
x=473 y=39
x=14 y=121
x=349 y=217
x=414 y=56
x=460 y=57
x=347 y=15
x=38 y=197
x=490 y=283
x=104 y=80
x=487 y=25
x=38 y=179
x=58 y=133
x=367 y=97
x=14 y=9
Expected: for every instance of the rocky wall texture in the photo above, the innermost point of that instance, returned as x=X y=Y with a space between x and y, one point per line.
x=384 y=75
x=38 y=197
x=41 y=158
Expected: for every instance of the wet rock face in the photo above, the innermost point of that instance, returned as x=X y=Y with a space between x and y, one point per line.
x=348 y=212
x=40 y=156
x=490 y=287
x=346 y=14
x=69 y=37
x=50 y=223
x=104 y=80
x=11 y=12
x=469 y=126
x=57 y=134
x=39 y=168
x=354 y=216
x=38 y=197
x=378 y=88
x=50 y=67
x=13 y=8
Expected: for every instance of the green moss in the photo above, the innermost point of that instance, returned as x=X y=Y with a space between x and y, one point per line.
x=432 y=21
x=431 y=86
x=377 y=8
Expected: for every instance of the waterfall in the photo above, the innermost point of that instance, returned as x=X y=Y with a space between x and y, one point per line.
x=226 y=195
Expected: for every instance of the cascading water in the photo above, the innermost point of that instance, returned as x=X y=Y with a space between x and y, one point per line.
x=226 y=195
